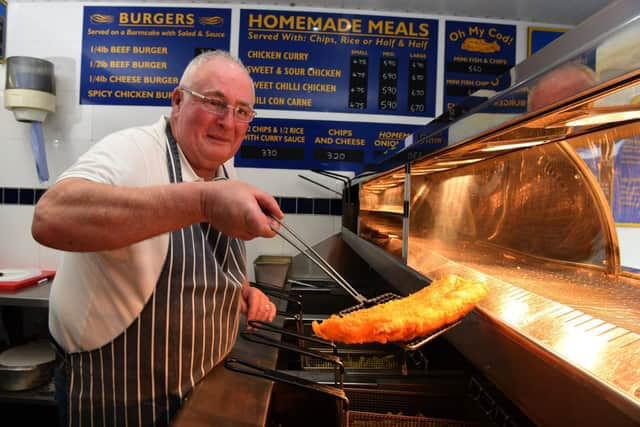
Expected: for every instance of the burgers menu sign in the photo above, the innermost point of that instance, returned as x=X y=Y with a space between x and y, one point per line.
x=136 y=55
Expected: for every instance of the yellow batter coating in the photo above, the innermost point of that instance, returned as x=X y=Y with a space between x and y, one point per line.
x=443 y=302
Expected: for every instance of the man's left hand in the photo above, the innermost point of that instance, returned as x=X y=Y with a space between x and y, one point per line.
x=255 y=305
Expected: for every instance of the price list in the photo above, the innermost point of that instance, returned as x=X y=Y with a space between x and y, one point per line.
x=358 y=82
x=417 y=85
x=315 y=144
x=477 y=56
x=342 y=63
x=388 y=87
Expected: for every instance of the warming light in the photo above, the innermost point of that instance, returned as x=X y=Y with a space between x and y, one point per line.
x=598 y=119
x=505 y=147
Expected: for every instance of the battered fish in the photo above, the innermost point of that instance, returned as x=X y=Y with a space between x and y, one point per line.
x=443 y=302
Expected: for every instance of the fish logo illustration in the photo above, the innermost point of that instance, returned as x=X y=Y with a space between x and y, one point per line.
x=473 y=44
x=211 y=20
x=98 y=18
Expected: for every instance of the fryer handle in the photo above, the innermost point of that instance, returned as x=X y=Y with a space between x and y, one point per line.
x=265 y=340
x=296 y=299
x=287 y=315
x=303 y=284
x=278 y=293
x=248 y=368
x=259 y=324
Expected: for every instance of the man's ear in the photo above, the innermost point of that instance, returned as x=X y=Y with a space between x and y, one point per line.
x=176 y=97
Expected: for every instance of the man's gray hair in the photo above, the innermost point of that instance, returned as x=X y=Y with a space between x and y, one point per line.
x=206 y=57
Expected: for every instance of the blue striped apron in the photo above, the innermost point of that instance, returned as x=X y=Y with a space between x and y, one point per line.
x=188 y=326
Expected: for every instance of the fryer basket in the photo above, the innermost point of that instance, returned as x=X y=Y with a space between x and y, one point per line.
x=387 y=362
x=293 y=238
x=372 y=419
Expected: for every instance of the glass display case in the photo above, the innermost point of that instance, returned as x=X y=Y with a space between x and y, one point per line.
x=542 y=202
x=382 y=211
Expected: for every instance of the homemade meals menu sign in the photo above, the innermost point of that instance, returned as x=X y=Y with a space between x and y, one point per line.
x=309 y=61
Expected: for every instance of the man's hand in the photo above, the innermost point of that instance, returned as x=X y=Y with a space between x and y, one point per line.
x=255 y=305
x=239 y=210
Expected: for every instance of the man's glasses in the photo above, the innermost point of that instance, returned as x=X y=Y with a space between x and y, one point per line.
x=241 y=113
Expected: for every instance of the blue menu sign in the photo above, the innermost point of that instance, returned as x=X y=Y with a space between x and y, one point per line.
x=476 y=57
x=136 y=55
x=309 y=61
x=540 y=37
x=314 y=144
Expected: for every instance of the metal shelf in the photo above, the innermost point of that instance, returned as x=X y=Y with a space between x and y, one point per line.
x=42 y=395
x=33 y=296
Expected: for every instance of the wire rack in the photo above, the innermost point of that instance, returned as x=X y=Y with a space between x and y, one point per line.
x=371 y=419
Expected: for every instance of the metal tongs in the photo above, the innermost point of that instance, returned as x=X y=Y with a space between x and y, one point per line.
x=300 y=244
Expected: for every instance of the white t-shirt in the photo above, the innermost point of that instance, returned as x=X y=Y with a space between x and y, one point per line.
x=95 y=296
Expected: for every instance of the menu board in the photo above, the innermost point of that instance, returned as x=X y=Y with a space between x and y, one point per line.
x=136 y=55
x=316 y=144
x=310 y=61
x=476 y=57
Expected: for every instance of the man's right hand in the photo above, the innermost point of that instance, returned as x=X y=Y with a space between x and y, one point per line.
x=239 y=210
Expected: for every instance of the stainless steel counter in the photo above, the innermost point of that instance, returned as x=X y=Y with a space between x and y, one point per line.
x=563 y=347
x=228 y=399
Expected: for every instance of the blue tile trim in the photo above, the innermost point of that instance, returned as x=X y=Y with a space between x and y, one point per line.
x=27 y=196
x=305 y=206
x=11 y=196
x=321 y=207
x=39 y=193
x=289 y=205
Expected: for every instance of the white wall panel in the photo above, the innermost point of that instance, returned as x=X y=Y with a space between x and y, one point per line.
x=18 y=249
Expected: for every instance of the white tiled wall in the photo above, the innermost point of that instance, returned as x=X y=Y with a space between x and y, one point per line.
x=52 y=30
